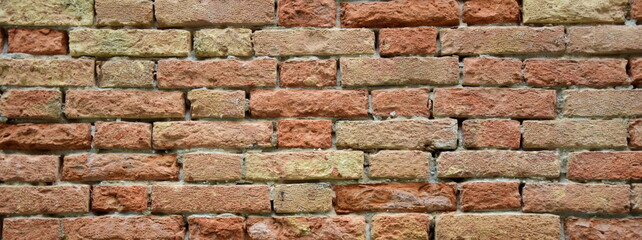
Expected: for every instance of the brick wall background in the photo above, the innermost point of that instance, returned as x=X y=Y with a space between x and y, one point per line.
x=382 y=120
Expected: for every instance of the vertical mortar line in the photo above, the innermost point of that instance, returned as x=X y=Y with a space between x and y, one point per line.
x=338 y=14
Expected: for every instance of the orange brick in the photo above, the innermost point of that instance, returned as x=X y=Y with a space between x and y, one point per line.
x=308 y=73
x=199 y=199
x=41 y=104
x=635 y=133
x=45 y=136
x=490 y=195
x=29 y=168
x=388 y=14
x=135 y=227
x=205 y=228
x=395 y=197
x=211 y=167
x=304 y=13
x=407 y=41
x=41 y=41
x=491 y=11
x=304 y=133
x=119 y=166
x=123 y=135
x=288 y=228
x=118 y=198
x=219 y=73
x=604 y=166
x=401 y=102
x=124 y=104
x=31 y=228
x=597 y=73
x=482 y=71
x=309 y=103
x=44 y=199
x=478 y=133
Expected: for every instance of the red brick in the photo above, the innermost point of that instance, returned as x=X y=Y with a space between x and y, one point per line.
x=495 y=102
x=604 y=39
x=47 y=72
x=395 y=197
x=313 y=165
x=491 y=11
x=577 y=198
x=306 y=228
x=407 y=41
x=41 y=104
x=124 y=13
x=214 y=228
x=197 y=13
x=388 y=14
x=635 y=133
x=578 y=134
x=400 y=164
x=219 y=73
x=220 y=134
x=603 y=228
x=304 y=133
x=398 y=134
x=367 y=71
x=497 y=163
x=318 y=42
x=605 y=166
x=42 y=41
x=31 y=228
x=401 y=102
x=123 y=135
x=119 y=166
x=636 y=10
x=308 y=73
x=211 y=167
x=305 y=13
x=498 y=226
x=409 y=226
x=199 y=199
x=217 y=103
x=44 y=199
x=124 y=104
x=309 y=103
x=29 y=168
x=119 y=198
x=483 y=71
x=635 y=69
x=502 y=40
x=125 y=73
x=112 y=227
x=636 y=197
x=45 y=136
x=597 y=73
x=490 y=195
x=603 y=103
x=478 y=133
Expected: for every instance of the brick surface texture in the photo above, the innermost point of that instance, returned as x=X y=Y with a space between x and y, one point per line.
x=321 y=119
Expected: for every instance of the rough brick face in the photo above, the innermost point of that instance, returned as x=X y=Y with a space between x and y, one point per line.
x=491 y=134
x=490 y=195
x=123 y=135
x=636 y=197
x=603 y=103
x=124 y=13
x=119 y=198
x=584 y=198
x=37 y=41
x=167 y=135
x=597 y=73
x=137 y=227
x=217 y=103
x=211 y=167
x=483 y=71
x=30 y=200
x=124 y=104
x=605 y=165
x=119 y=166
x=220 y=73
x=304 y=165
x=31 y=228
x=196 y=13
x=491 y=11
x=407 y=41
x=399 y=164
x=308 y=73
x=635 y=134
x=401 y=102
x=47 y=72
x=322 y=42
x=605 y=39
x=403 y=134
x=395 y=197
x=304 y=133
x=588 y=11
x=223 y=42
x=410 y=226
x=54 y=13
x=635 y=69
x=496 y=163
x=29 y=168
x=125 y=73
x=209 y=228
x=129 y=42
x=308 y=103
x=636 y=10
x=298 y=198
x=498 y=226
x=502 y=40
x=199 y=198
x=494 y=102
x=387 y=14
x=613 y=228
x=399 y=71
x=585 y=134
x=45 y=136
x=290 y=228
x=42 y=104
x=306 y=13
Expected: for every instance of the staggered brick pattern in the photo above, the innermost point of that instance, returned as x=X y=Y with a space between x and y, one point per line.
x=321 y=119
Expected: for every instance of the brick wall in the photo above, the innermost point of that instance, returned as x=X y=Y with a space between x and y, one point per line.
x=321 y=119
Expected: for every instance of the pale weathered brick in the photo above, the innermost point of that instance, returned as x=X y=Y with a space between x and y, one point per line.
x=496 y=163
x=169 y=135
x=636 y=197
x=635 y=68
x=498 y=226
x=605 y=166
x=302 y=198
x=388 y=14
x=223 y=42
x=123 y=135
x=584 y=134
x=45 y=136
x=44 y=199
x=197 y=13
x=125 y=73
x=309 y=103
x=211 y=167
x=53 y=13
x=399 y=71
x=208 y=228
x=133 y=227
x=119 y=166
x=29 y=168
x=603 y=228
x=603 y=103
x=395 y=197
x=569 y=11
x=597 y=73
x=47 y=72
x=578 y=198
x=399 y=164
x=308 y=73
x=199 y=199
x=124 y=13
x=293 y=228
x=41 y=104
x=129 y=42
x=407 y=41
x=401 y=134
x=124 y=104
x=206 y=103
x=37 y=41
x=401 y=102
x=320 y=42
x=31 y=228
x=219 y=73
x=119 y=198
x=315 y=165
x=293 y=133
x=502 y=40
x=495 y=102
x=408 y=226
x=635 y=134
x=305 y=13
x=491 y=11
x=490 y=133
x=605 y=39
x=477 y=196
x=484 y=71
